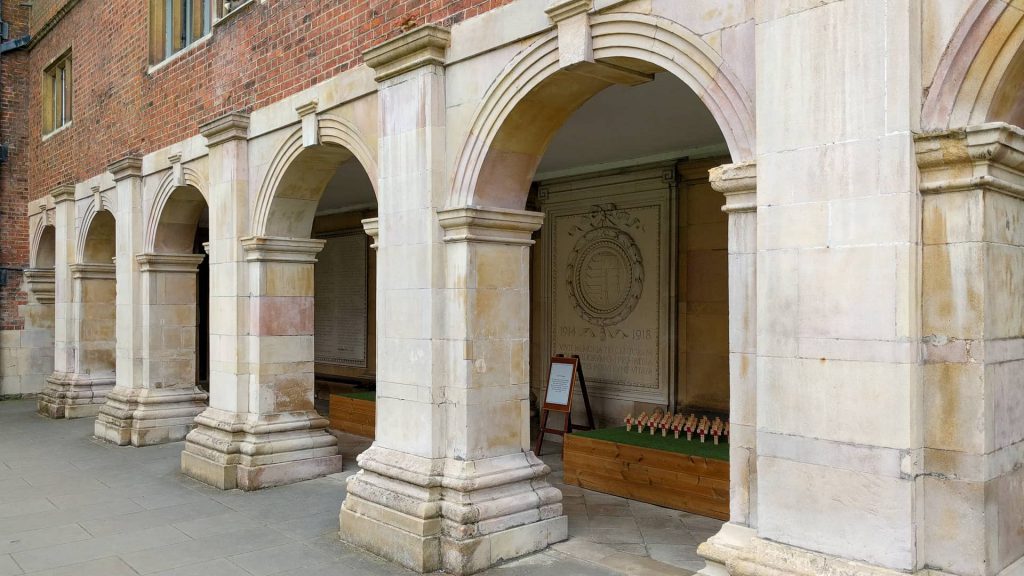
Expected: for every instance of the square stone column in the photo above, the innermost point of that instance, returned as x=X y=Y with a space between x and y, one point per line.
x=37 y=335
x=972 y=187
x=449 y=482
x=281 y=438
x=52 y=398
x=260 y=429
x=161 y=406
x=82 y=391
x=738 y=182
x=487 y=499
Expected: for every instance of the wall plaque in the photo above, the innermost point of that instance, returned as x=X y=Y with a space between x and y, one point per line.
x=607 y=249
x=340 y=310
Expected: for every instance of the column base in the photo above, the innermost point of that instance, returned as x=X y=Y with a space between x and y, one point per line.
x=458 y=516
x=73 y=396
x=766 y=558
x=718 y=550
x=144 y=417
x=228 y=451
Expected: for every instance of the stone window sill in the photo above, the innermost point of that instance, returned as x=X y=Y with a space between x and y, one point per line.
x=234 y=12
x=56 y=131
x=179 y=54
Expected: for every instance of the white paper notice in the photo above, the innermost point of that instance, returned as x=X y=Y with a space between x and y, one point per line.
x=559 y=383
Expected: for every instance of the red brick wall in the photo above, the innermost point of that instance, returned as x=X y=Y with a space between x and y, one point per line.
x=261 y=55
x=14 y=173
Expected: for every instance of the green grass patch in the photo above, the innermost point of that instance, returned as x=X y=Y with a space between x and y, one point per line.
x=368 y=395
x=669 y=443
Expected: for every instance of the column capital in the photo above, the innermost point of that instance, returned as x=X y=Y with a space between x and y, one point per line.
x=423 y=46
x=92 y=271
x=372 y=228
x=127 y=167
x=989 y=156
x=231 y=126
x=738 y=182
x=150 y=262
x=275 y=249
x=63 y=193
x=496 y=225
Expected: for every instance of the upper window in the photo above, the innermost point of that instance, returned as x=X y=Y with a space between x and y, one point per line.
x=56 y=92
x=174 y=24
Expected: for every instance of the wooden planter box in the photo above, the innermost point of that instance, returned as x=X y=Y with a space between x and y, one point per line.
x=353 y=415
x=683 y=482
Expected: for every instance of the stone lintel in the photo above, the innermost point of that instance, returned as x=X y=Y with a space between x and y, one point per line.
x=63 y=193
x=277 y=249
x=92 y=271
x=738 y=182
x=169 y=262
x=987 y=156
x=231 y=126
x=423 y=46
x=496 y=225
x=372 y=228
x=564 y=9
x=127 y=167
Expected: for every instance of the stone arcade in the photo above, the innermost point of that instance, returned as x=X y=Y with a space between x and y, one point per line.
x=830 y=246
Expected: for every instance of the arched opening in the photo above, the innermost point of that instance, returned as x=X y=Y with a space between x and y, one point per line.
x=38 y=312
x=45 y=253
x=324 y=195
x=159 y=402
x=184 y=229
x=95 y=297
x=630 y=271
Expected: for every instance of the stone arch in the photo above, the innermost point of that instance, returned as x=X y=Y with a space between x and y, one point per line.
x=177 y=209
x=979 y=75
x=98 y=243
x=297 y=176
x=534 y=96
x=44 y=247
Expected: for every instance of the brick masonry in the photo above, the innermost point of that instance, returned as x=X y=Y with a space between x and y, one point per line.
x=14 y=173
x=263 y=53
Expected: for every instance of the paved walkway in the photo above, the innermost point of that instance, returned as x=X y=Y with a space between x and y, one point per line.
x=71 y=505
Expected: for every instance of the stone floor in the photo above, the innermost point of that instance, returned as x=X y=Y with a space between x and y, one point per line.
x=70 y=505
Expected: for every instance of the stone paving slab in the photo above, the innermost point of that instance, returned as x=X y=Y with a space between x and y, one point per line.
x=71 y=505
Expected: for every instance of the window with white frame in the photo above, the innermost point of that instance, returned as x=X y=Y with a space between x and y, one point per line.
x=175 y=24
x=56 y=94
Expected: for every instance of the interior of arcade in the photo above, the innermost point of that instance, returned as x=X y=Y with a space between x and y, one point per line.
x=629 y=271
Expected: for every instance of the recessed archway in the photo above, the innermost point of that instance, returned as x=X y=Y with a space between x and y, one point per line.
x=979 y=76
x=631 y=266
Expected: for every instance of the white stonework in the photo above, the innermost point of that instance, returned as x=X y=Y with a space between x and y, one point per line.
x=875 y=263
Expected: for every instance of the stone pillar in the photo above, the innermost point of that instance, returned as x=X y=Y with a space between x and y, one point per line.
x=260 y=429
x=162 y=404
x=972 y=187
x=37 y=335
x=738 y=182
x=83 y=390
x=450 y=482
x=62 y=387
x=839 y=421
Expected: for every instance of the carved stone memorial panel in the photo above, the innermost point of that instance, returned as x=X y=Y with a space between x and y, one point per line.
x=607 y=250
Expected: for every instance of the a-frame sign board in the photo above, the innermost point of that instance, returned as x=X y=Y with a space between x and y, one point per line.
x=562 y=377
